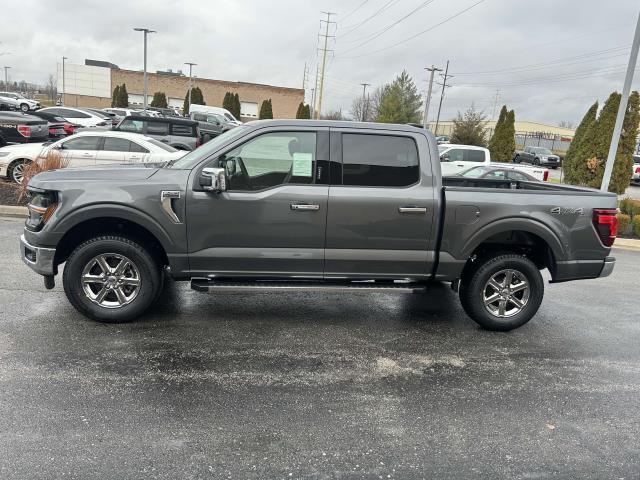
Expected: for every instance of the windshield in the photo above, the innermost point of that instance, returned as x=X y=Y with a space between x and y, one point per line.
x=442 y=148
x=159 y=144
x=474 y=172
x=543 y=151
x=194 y=157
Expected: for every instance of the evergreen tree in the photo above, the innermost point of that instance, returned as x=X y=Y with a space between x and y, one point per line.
x=470 y=128
x=228 y=101
x=114 y=97
x=307 y=112
x=509 y=132
x=400 y=101
x=497 y=139
x=266 y=110
x=300 y=111
x=123 y=97
x=159 y=100
x=568 y=164
x=196 y=98
x=620 y=176
x=236 y=107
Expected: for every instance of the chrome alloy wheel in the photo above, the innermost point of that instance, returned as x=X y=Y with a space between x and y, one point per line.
x=17 y=173
x=506 y=293
x=111 y=280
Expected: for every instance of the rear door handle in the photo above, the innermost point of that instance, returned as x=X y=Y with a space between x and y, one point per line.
x=460 y=164
x=304 y=206
x=412 y=209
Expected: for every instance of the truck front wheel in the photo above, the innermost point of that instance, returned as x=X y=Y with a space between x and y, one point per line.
x=111 y=279
x=502 y=293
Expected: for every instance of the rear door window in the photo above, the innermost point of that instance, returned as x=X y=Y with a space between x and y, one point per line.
x=474 y=156
x=379 y=160
x=112 y=144
x=182 y=130
x=157 y=128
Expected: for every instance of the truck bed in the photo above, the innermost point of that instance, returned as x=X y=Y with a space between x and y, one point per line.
x=454 y=183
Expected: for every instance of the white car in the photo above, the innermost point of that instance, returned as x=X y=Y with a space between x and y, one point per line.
x=219 y=110
x=458 y=158
x=635 y=170
x=80 y=116
x=87 y=149
x=21 y=102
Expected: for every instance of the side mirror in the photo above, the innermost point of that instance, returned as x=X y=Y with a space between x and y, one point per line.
x=213 y=180
x=445 y=158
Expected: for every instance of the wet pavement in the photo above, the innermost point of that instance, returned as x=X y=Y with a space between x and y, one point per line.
x=312 y=385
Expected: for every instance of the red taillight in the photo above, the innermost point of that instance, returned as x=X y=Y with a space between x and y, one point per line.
x=637 y=169
x=545 y=176
x=606 y=224
x=24 y=130
x=68 y=128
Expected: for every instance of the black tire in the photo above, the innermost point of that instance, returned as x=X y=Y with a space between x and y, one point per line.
x=516 y=159
x=554 y=168
x=146 y=267
x=16 y=166
x=475 y=285
x=24 y=107
x=536 y=161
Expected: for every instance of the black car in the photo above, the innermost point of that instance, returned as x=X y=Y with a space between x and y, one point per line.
x=180 y=133
x=16 y=127
x=59 y=127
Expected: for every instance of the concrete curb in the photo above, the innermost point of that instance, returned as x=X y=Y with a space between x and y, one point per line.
x=12 y=211
x=627 y=243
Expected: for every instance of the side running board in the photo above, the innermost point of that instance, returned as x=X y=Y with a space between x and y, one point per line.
x=211 y=286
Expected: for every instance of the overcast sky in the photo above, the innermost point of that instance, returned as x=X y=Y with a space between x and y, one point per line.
x=550 y=59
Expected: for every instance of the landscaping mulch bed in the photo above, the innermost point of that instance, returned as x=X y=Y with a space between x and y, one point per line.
x=9 y=194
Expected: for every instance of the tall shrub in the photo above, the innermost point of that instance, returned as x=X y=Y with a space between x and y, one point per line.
x=114 y=97
x=569 y=162
x=159 y=100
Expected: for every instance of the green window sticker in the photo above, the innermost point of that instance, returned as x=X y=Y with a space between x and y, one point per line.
x=302 y=165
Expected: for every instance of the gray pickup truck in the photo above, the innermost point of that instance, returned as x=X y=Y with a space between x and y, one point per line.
x=537 y=156
x=323 y=205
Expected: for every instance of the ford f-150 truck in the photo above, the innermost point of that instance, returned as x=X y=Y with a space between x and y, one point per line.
x=323 y=205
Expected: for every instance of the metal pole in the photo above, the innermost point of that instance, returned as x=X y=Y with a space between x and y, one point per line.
x=190 y=82
x=144 y=93
x=324 y=63
x=6 y=78
x=364 y=99
x=444 y=86
x=624 y=100
x=427 y=100
x=63 y=89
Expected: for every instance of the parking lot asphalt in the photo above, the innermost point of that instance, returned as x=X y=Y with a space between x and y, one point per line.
x=319 y=385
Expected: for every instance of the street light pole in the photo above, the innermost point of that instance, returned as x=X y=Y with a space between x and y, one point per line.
x=624 y=100
x=63 y=59
x=364 y=99
x=146 y=31
x=6 y=77
x=190 y=66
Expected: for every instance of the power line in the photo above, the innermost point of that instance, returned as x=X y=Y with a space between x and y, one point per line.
x=389 y=27
x=355 y=10
x=386 y=6
x=326 y=36
x=448 y=19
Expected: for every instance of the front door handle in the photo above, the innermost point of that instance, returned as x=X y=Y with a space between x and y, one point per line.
x=460 y=164
x=304 y=206
x=412 y=209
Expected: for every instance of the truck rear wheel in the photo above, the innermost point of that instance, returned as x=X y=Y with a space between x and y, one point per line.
x=502 y=293
x=111 y=279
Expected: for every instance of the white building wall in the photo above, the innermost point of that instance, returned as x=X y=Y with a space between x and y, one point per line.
x=85 y=80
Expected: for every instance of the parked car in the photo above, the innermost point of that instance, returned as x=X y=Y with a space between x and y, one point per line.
x=537 y=156
x=163 y=112
x=211 y=124
x=58 y=127
x=80 y=116
x=23 y=103
x=497 y=172
x=219 y=110
x=296 y=205
x=457 y=158
x=635 y=170
x=88 y=149
x=16 y=127
x=442 y=139
x=180 y=133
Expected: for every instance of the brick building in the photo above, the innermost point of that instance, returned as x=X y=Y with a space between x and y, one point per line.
x=91 y=85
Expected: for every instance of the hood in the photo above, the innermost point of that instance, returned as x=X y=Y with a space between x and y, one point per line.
x=114 y=172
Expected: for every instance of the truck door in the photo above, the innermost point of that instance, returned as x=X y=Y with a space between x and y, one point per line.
x=271 y=221
x=381 y=206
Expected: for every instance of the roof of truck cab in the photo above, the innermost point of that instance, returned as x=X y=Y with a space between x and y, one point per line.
x=336 y=124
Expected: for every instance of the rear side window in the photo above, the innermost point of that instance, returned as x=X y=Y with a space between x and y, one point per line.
x=112 y=144
x=134 y=147
x=66 y=113
x=474 y=156
x=182 y=130
x=157 y=128
x=379 y=160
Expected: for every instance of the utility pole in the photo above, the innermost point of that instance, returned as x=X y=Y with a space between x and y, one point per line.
x=6 y=78
x=624 y=100
x=495 y=104
x=191 y=65
x=364 y=100
x=63 y=89
x=444 y=86
x=146 y=31
x=326 y=36
x=427 y=100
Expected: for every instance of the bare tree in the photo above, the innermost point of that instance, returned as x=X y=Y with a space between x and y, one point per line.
x=370 y=106
x=52 y=89
x=333 y=115
x=566 y=124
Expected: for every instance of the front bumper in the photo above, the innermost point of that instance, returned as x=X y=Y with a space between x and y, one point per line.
x=39 y=259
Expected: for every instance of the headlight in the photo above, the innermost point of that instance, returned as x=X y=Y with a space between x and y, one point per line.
x=41 y=206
